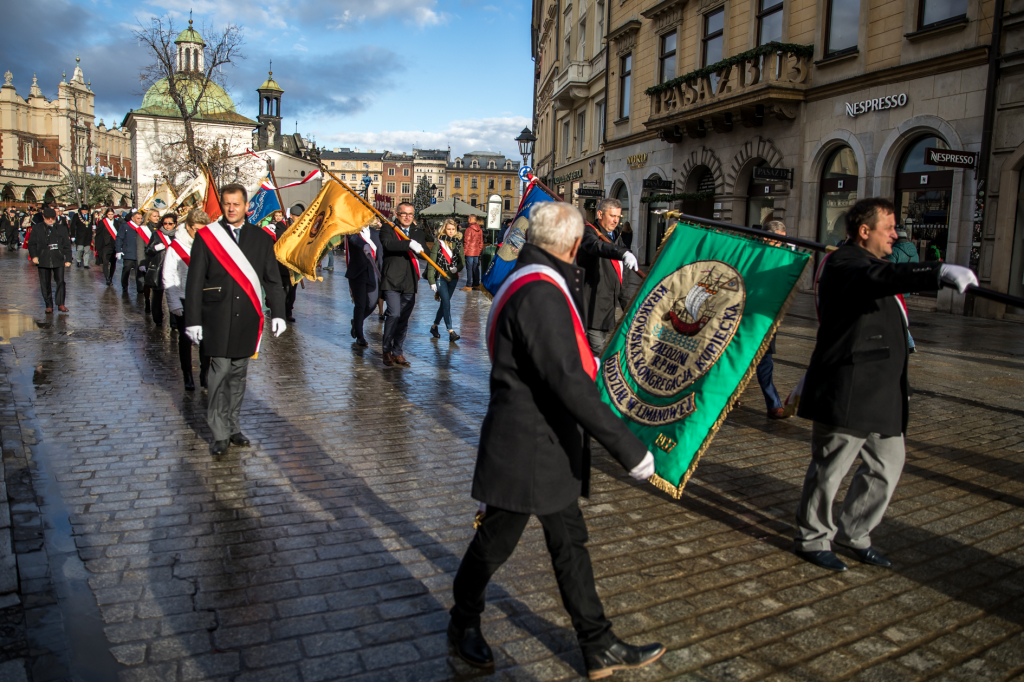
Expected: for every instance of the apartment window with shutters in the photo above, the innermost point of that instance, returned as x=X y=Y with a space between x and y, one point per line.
x=938 y=12
x=667 y=58
x=581 y=131
x=391 y=188
x=842 y=22
x=625 y=83
x=565 y=139
x=769 y=21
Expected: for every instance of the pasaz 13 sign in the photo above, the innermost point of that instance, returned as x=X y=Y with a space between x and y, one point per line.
x=878 y=104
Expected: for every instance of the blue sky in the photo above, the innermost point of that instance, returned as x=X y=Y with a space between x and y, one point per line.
x=373 y=74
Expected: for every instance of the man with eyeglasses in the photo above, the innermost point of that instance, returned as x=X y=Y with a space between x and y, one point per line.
x=400 y=276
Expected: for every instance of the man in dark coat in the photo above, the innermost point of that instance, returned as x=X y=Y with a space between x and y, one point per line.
x=400 y=274
x=606 y=264
x=9 y=224
x=281 y=225
x=105 y=244
x=363 y=256
x=49 y=247
x=130 y=249
x=533 y=458
x=223 y=309
x=81 y=232
x=856 y=389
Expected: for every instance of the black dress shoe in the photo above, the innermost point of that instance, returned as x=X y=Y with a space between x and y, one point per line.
x=824 y=559
x=219 y=447
x=870 y=556
x=621 y=656
x=362 y=343
x=239 y=439
x=470 y=646
x=190 y=384
x=289 y=318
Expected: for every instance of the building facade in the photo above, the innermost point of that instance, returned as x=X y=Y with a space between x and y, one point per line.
x=398 y=179
x=350 y=165
x=432 y=164
x=476 y=176
x=42 y=141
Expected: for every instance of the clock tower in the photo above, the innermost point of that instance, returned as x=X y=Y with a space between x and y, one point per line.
x=269 y=133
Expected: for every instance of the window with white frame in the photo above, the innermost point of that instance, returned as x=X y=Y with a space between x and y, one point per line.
x=581 y=47
x=598 y=24
x=581 y=130
x=598 y=123
x=565 y=139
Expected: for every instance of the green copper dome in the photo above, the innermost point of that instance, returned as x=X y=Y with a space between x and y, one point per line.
x=215 y=104
x=189 y=35
x=270 y=84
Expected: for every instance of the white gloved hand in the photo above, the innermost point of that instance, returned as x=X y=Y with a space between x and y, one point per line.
x=178 y=312
x=958 y=276
x=194 y=334
x=142 y=268
x=433 y=287
x=278 y=326
x=118 y=255
x=645 y=469
x=415 y=246
x=365 y=232
x=629 y=260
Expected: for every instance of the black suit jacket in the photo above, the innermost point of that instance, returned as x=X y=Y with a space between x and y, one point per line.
x=214 y=300
x=397 y=272
x=857 y=378
x=51 y=245
x=104 y=242
x=81 y=230
x=601 y=287
x=359 y=265
x=533 y=456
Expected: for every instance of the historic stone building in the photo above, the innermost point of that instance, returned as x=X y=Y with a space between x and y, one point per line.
x=398 y=177
x=350 y=165
x=431 y=164
x=475 y=176
x=42 y=141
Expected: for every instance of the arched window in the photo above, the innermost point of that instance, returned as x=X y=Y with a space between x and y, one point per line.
x=838 y=193
x=923 y=194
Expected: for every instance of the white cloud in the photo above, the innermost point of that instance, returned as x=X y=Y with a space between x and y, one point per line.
x=348 y=13
x=486 y=134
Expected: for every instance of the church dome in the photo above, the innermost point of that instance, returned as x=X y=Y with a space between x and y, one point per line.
x=270 y=84
x=215 y=104
x=189 y=35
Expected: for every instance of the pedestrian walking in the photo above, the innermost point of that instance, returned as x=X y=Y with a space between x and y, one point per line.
x=231 y=261
x=281 y=225
x=766 y=366
x=49 y=248
x=856 y=389
x=533 y=458
x=363 y=258
x=175 y=273
x=400 y=274
x=81 y=232
x=9 y=223
x=130 y=249
x=447 y=252
x=106 y=238
x=604 y=262
x=473 y=245
x=156 y=253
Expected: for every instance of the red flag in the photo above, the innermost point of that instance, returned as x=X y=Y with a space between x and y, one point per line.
x=212 y=204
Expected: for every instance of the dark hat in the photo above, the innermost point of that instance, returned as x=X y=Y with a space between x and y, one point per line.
x=49 y=213
x=83 y=207
x=297 y=210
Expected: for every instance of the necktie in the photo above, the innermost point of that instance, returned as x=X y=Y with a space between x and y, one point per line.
x=235 y=231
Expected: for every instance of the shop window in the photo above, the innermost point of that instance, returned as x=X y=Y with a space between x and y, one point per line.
x=711 y=52
x=838 y=194
x=923 y=194
x=625 y=82
x=667 y=58
x=769 y=21
x=760 y=202
x=702 y=180
x=934 y=12
x=842 y=21
x=656 y=223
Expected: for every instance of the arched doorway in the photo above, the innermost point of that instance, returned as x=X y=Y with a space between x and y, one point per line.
x=656 y=223
x=48 y=197
x=760 y=199
x=923 y=196
x=30 y=195
x=701 y=180
x=838 y=193
x=124 y=201
x=8 y=194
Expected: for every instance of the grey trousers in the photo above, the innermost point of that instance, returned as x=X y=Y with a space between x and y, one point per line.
x=226 y=388
x=83 y=254
x=833 y=451
x=598 y=339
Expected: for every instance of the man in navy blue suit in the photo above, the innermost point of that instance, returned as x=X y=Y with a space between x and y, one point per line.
x=363 y=256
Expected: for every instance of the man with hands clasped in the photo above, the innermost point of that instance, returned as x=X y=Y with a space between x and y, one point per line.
x=231 y=267
x=400 y=274
x=49 y=247
x=856 y=389
x=605 y=263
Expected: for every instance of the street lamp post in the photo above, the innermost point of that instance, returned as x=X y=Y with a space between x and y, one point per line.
x=526 y=141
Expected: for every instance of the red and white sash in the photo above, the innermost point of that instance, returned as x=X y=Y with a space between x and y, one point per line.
x=180 y=250
x=163 y=239
x=541 y=273
x=269 y=229
x=110 y=228
x=617 y=267
x=229 y=255
x=445 y=251
x=412 y=256
x=141 y=230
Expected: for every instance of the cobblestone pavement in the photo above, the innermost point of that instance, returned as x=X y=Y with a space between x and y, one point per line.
x=326 y=550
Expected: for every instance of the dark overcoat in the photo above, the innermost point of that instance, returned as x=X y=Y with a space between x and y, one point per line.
x=81 y=230
x=359 y=264
x=397 y=272
x=857 y=378
x=50 y=244
x=214 y=300
x=533 y=456
x=601 y=288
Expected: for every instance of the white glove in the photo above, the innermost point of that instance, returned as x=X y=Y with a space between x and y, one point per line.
x=278 y=326
x=415 y=246
x=178 y=312
x=433 y=287
x=142 y=268
x=194 y=334
x=118 y=255
x=958 y=276
x=365 y=232
x=629 y=260
x=645 y=469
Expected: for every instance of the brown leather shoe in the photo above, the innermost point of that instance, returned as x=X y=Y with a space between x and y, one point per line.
x=467 y=288
x=400 y=360
x=62 y=308
x=389 y=360
x=49 y=310
x=777 y=413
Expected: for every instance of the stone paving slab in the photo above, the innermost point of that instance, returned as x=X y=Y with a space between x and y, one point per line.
x=326 y=550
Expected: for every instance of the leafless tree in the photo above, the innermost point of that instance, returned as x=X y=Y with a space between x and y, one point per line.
x=186 y=87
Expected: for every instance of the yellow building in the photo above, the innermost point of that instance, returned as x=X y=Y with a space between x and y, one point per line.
x=351 y=164
x=475 y=176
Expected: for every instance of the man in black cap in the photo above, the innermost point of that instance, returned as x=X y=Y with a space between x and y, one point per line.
x=49 y=247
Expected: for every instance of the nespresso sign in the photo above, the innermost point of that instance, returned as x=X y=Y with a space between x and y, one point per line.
x=950 y=157
x=854 y=109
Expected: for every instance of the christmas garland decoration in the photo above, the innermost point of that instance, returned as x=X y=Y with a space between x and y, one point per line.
x=791 y=48
x=683 y=196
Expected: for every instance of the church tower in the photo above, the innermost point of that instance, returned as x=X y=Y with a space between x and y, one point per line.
x=269 y=132
x=190 y=50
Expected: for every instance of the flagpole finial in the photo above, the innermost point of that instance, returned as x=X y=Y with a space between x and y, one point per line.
x=190 y=18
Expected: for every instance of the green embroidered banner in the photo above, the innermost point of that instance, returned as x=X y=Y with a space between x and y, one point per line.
x=692 y=339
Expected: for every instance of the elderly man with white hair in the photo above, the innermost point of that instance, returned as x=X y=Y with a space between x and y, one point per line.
x=534 y=457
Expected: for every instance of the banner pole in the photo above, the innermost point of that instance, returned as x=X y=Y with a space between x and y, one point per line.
x=398 y=233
